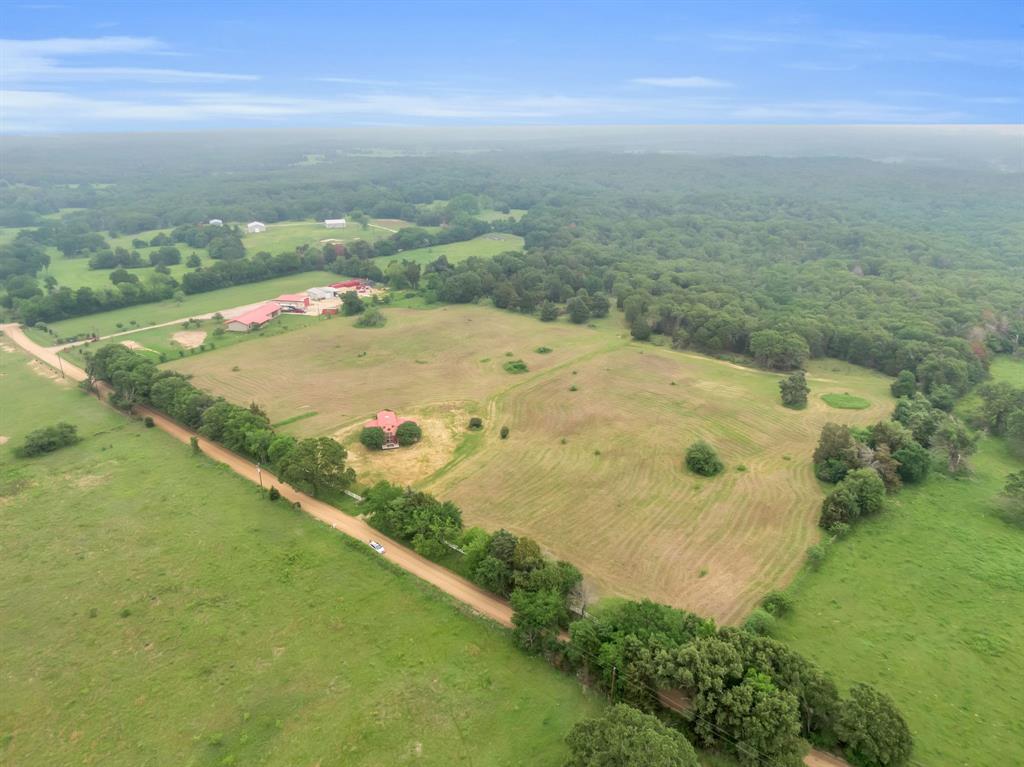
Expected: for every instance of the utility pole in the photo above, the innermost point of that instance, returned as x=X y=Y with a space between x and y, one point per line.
x=259 y=474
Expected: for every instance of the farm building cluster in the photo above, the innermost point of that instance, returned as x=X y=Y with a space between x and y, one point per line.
x=255 y=227
x=312 y=302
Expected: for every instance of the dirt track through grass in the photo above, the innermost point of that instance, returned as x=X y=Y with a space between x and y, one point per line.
x=614 y=498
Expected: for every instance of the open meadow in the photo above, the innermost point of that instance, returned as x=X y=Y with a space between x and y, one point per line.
x=157 y=610
x=286 y=236
x=926 y=601
x=593 y=465
x=484 y=246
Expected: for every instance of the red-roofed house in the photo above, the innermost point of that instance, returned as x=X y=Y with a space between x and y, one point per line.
x=387 y=422
x=254 y=319
x=298 y=301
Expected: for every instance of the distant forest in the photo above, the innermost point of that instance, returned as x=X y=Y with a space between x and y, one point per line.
x=887 y=265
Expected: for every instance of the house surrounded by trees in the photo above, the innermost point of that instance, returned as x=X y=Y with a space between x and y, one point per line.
x=388 y=423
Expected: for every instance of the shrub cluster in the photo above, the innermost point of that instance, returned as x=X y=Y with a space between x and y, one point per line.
x=702 y=459
x=49 y=439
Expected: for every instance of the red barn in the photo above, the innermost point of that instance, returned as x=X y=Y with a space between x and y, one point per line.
x=349 y=284
x=387 y=422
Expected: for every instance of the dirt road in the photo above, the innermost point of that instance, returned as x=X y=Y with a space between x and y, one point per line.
x=479 y=600
x=225 y=313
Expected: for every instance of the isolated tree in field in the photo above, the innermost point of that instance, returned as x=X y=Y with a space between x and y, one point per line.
x=319 y=463
x=625 y=737
x=958 y=443
x=49 y=439
x=476 y=423
x=408 y=433
x=702 y=459
x=372 y=437
x=794 y=390
x=905 y=384
x=872 y=730
x=351 y=303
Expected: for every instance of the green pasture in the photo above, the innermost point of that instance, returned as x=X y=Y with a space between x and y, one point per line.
x=926 y=601
x=158 y=610
x=485 y=246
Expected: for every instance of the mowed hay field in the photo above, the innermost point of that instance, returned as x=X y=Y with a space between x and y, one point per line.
x=158 y=611
x=420 y=359
x=614 y=498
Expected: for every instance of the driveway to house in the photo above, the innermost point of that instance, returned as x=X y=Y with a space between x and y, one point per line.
x=225 y=313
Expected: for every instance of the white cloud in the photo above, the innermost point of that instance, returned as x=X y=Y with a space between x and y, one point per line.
x=882 y=46
x=49 y=110
x=36 y=61
x=681 y=82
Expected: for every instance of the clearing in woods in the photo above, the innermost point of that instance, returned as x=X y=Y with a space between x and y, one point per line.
x=200 y=624
x=595 y=474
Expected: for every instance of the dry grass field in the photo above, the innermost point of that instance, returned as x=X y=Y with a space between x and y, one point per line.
x=594 y=474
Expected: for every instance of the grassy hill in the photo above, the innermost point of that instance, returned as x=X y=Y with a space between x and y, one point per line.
x=158 y=611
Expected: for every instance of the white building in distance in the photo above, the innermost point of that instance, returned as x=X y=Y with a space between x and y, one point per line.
x=255 y=227
x=335 y=223
x=216 y=222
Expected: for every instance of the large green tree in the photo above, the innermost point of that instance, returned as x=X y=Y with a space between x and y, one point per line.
x=319 y=463
x=872 y=730
x=624 y=737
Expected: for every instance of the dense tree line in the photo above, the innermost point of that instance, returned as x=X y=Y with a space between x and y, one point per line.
x=751 y=256
x=543 y=592
x=746 y=694
x=315 y=464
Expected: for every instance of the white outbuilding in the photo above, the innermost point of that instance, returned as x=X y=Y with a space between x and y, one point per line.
x=320 y=294
x=216 y=222
x=255 y=227
x=335 y=223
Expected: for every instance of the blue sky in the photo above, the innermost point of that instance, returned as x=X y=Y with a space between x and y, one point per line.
x=169 y=66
